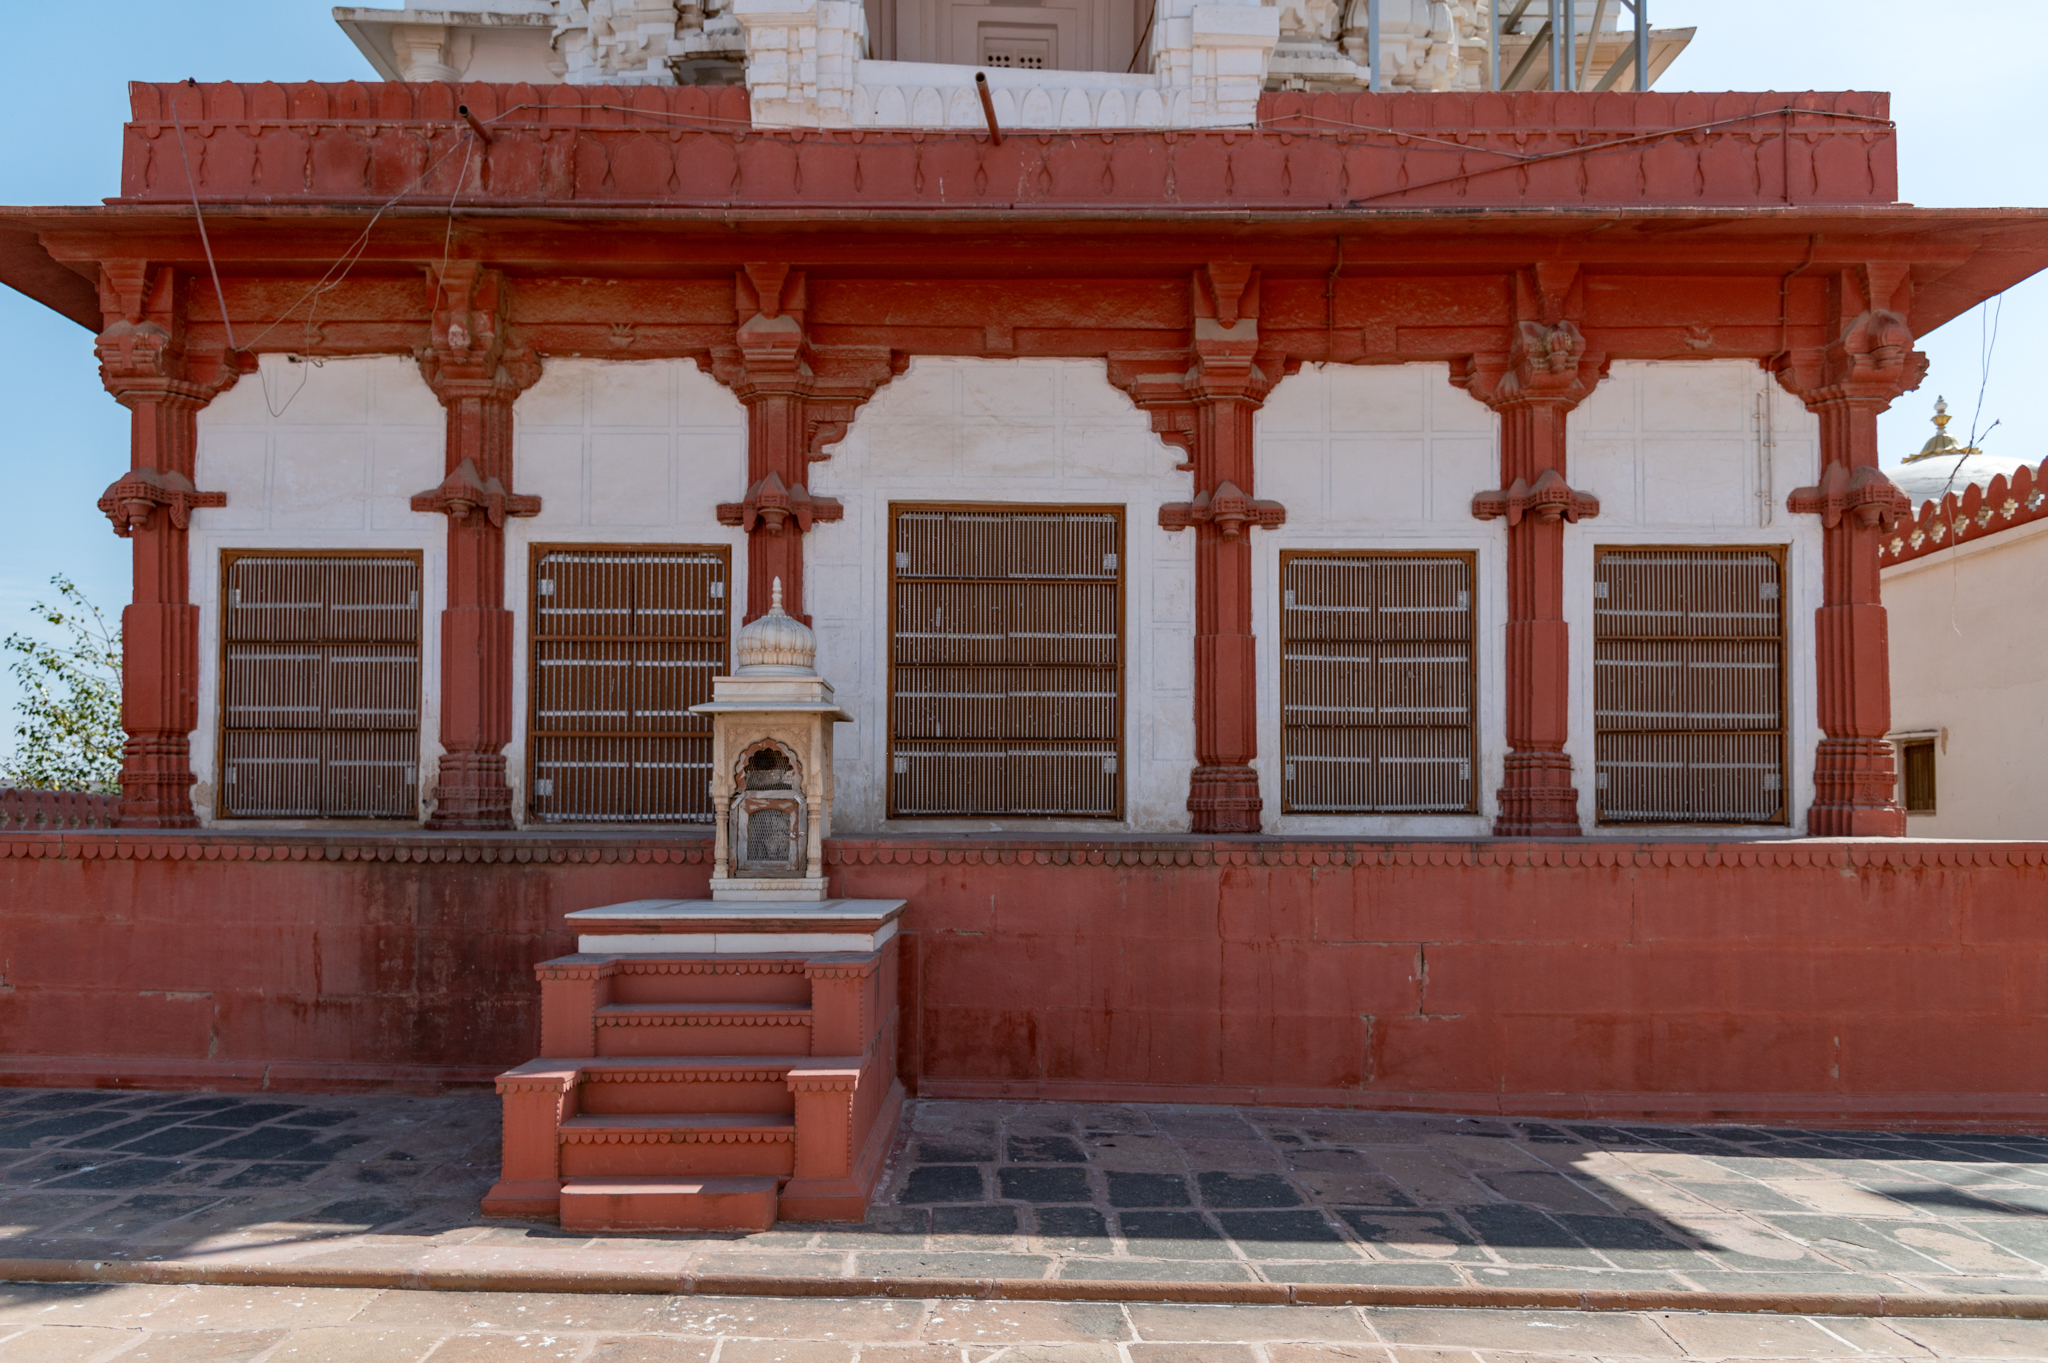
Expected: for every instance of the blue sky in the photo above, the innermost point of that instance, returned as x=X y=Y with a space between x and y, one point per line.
x=1963 y=118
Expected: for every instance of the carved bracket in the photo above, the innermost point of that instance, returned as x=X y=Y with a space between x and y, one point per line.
x=1549 y=499
x=1228 y=509
x=1866 y=494
x=463 y=493
x=133 y=498
x=771 y=503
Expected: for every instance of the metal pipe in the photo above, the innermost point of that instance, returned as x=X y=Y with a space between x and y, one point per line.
x=1372 y=43
x=1559 y=34
x=1493 y=44
x=1642 y=43
x=988 y=109
x=483 y=134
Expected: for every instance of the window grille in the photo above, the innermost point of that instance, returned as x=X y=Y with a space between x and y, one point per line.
x=1376 y=684
x=320 y=686
x=1916 y=765
x=1006 y=676
x=625 y=641
x=1689 y=685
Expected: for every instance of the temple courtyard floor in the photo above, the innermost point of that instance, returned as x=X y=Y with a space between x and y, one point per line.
x=289 y=1227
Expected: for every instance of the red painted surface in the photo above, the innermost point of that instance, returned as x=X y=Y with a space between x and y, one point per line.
x=1545 y=372
x=1809 y=980
x=477 y=369
x=352 y=142
x=1869 y=360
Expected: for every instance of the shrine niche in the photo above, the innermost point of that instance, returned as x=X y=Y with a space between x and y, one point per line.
x=771 y=763
x=766 y=817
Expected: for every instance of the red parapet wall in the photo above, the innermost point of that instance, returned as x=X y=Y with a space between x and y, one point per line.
x=1975 y=513
x=694 y=147
x=57 y=809
x=1843 y=982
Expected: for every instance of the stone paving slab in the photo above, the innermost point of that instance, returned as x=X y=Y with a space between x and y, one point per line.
x=1073 y=1193
x=140 y=1324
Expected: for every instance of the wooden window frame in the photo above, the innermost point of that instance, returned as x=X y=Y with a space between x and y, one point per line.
x=1471 y=560
x=1122 y=670
x=1780 y=554
x=228 y=558
x=534 y=639
x=1906 y=744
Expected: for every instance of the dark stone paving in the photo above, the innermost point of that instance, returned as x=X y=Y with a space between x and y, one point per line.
x=1074 y=1191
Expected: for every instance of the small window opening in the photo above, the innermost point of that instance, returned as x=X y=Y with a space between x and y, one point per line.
x=1916 y=764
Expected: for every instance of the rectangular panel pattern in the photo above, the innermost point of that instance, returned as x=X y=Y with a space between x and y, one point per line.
x=1689 y=686
x=625 y=641
x=320 y=686
x=1376 y=683
x=1007 y=662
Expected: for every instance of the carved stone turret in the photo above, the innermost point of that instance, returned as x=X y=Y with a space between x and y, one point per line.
x=771 y=763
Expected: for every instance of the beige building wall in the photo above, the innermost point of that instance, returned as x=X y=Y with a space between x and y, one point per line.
x=1969 y=650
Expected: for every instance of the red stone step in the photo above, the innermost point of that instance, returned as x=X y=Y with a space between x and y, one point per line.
x=687 y=1083
x=675 y=1144
x=706 y=1204
x=637 y=1029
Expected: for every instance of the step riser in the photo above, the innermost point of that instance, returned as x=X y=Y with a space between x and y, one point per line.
x=717 y=1206
x=598 y=1097
x=677 y=1159
x=684 y=1038
x=787 y=990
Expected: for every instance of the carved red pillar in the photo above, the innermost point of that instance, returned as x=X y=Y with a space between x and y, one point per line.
x=144 y=364
x=1209 y=411
x=798 y=399
x=1868 y=361
x=477 y=372
x=1544 y=374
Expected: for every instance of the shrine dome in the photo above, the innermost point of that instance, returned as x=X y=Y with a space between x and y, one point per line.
x=775 y=645
x=1945 y=464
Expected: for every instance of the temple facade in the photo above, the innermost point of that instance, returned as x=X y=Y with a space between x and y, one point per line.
x=1306 y=594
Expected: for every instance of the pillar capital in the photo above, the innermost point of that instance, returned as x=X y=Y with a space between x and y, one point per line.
x=800 y=397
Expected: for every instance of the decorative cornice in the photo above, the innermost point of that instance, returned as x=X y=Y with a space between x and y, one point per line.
x=1229 y=509
x=465 y=492
x=1549 y=499
x=772 y=503
x=1978 y=512
x=1866 y=494
x=131 y=500
x=1161 y=853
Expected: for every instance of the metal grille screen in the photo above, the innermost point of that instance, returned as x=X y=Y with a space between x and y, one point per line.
x=1376 y=684
x=625 y=641
x=320 y=687
x=1688 y=689
x=1007 y=666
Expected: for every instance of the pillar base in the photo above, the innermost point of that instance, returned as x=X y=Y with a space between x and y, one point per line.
x=1224 y=800
x=156 y=783
x=1855 y=791
x=1537 y=798
x=470 y=794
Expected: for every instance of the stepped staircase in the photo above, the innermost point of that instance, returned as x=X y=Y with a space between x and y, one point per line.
x=694 y=1077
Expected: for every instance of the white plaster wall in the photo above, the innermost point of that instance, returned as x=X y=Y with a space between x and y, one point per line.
x=620 y=452
x=318 y=456
x=1005 y=431
x=1969 y=663
x=1695 y=453
x=1379 y=457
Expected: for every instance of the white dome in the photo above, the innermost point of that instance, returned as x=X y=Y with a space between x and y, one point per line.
x=1925 y=480
x=776 y=645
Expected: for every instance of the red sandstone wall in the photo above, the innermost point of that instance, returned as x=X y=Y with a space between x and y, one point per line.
x=1833 y=981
